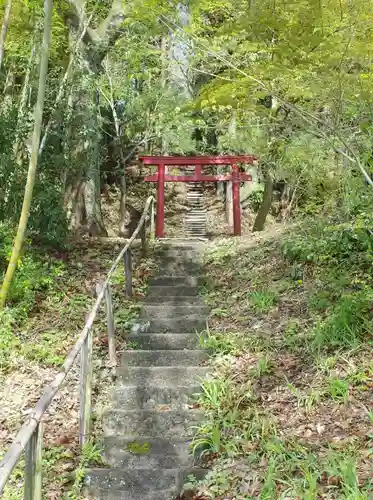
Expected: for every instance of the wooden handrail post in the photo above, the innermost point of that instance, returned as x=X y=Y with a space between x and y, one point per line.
x=110 y=326
x=152 y=222
x=128 y=272
x=85 y=392
x=33 y=465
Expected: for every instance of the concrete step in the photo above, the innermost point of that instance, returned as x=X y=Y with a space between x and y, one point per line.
x=179 y=270
x=112 y=494
x=163 y=376
x=176 y=255
x=181 y=281
x=152 y=397
x=148 y=423
x=164 y=358
x=137 y=484
x=173 y=291
x=152 y=311
x=169 y=301
x=188 y=324
x=147 y=453
x=164 y=341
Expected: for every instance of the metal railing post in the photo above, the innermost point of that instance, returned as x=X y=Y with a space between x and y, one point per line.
x=128 y=272
x=33 y=465
x=110 y=326
x=85 y=389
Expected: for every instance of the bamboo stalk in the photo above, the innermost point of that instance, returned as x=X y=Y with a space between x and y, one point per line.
x=86 y=373
x=33 y=164
x=128 y=272
x=4 y=29
x=110 y=326
x=33 y=465
x=13 y=454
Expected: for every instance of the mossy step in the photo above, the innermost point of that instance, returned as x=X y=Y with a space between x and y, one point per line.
x=163 y=357
x=147 y=453
x=137 y=423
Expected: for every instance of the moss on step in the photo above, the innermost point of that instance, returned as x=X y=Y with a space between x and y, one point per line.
x=139 y=448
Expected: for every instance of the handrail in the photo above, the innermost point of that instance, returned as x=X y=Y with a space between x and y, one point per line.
x=29 y=437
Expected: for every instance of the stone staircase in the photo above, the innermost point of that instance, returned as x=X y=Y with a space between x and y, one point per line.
x=196 y=217
x=147 y=432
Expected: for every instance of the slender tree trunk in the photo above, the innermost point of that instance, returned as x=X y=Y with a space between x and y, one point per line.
x=123 y=205
x=265 y=206
x=4 y=30
x=18 y=147
x=38 y=118
x=92 y=190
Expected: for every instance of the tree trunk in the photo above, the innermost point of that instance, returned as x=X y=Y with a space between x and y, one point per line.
x=4 y=30
x=38 y=118
x=265 y=206
x=122 y=206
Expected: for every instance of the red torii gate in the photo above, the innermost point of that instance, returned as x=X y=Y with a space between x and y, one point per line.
x=198 y=162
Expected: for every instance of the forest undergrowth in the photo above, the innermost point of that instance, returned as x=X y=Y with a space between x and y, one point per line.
x=289 y=409
x=49 y=300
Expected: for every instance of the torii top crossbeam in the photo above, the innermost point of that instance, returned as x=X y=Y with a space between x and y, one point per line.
x=197 y=160
x=235 y=176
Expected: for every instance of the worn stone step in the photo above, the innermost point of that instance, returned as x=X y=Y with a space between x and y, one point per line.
x=169 y=280
x=174 y=291
x=163 y=357
x=174 y=311
x=188 y=324
x=152 y=397
x=137 y=423
x=164 y=341
x=112 y=494
x=137 y=484
x=178 y=270
x=163 y=376
x=168 y=301
x=147 y=453
x=182 y=256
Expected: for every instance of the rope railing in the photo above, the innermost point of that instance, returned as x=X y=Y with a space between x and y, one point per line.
x=30 y=437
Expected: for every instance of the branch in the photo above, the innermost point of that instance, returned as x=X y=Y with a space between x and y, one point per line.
x=109 y=30
x=98 y=40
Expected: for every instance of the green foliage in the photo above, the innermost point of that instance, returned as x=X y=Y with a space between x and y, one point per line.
x=91 y=456
x=338 y=389
x=347 y=323
x=262 y=301
x=34 y=275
